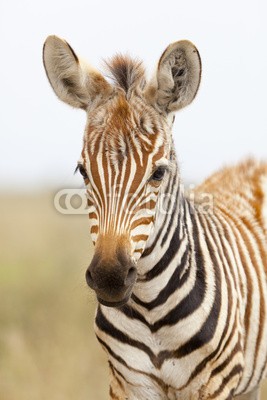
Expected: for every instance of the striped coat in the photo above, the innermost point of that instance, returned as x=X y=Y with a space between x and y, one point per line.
x=181 y=278
x=200 y=313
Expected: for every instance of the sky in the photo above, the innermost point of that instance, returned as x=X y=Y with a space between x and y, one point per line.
x=41 y=137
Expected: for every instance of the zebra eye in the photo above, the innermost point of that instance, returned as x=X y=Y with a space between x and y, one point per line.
x=82 y=171
x=158 y=174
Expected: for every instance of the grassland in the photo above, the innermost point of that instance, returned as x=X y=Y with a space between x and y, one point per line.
x=47 y=346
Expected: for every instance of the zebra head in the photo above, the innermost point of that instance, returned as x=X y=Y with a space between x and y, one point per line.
x=126 y=155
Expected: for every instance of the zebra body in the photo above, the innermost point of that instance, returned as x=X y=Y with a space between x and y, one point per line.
x=205 y=338
x=181 y=283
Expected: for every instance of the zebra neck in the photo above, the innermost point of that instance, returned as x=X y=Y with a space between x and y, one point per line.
x=170 y=232
x=169 y=250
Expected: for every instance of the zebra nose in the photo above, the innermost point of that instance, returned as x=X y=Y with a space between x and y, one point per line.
x=131 y=276
x=90 y=280
x=102 y=278
x=112 y=283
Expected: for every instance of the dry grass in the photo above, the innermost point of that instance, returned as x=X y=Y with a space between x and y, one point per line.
x=47 y=345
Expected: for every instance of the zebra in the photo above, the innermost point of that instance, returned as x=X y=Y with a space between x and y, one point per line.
x=180 y=281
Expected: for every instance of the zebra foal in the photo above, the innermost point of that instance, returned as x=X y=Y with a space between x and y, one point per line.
x=181 y=287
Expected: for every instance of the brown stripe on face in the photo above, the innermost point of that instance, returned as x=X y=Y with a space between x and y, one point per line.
x=92 y=215
x=132 y=205
x=140 y=168
x=90 y=202
x=160 y=154
x=139 y=238
x=142 y=221
x=94 y=229
x=95 y=173
x=149 y=205
x=139 y=251
x=106 y=179
x=135 y=198
x=124 y=183
x=93 y=200
x=114 y=130
x=120 y=114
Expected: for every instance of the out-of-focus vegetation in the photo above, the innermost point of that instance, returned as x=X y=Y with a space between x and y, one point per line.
x=47 y=345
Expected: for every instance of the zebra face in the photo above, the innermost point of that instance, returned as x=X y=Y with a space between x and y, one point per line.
x=125 y=157
x=124 y=162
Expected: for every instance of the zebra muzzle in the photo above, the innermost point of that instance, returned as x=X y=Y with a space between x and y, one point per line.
x=112 y=280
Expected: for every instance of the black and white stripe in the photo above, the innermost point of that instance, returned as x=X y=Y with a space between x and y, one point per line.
x=194 y=315
x=193 y=326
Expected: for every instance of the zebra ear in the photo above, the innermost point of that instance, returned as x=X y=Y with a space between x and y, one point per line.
x=177 y=78
x=73 y=81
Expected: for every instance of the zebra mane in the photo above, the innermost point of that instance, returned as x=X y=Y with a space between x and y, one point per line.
x=126 y=72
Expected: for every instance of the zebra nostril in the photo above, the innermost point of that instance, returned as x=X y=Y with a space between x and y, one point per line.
x=131 y=276
x=89 y=279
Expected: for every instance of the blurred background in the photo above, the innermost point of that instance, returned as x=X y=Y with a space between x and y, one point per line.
x=47 y=344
